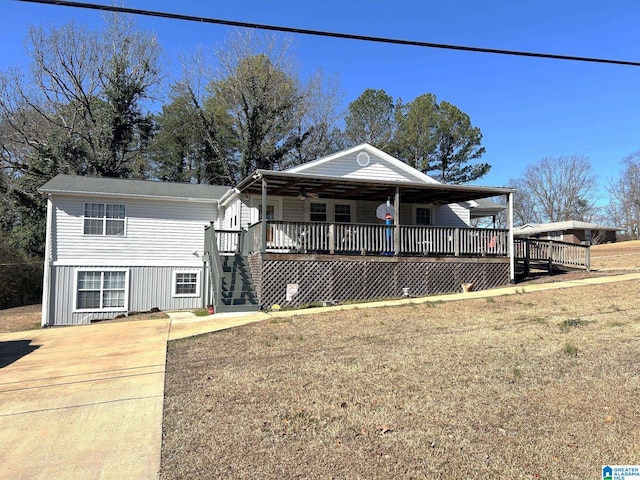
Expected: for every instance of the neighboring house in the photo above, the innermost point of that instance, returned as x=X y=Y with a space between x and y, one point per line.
x=570 y=231
x=355 y=225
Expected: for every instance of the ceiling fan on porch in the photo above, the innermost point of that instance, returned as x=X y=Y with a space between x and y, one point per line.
x=304 y=194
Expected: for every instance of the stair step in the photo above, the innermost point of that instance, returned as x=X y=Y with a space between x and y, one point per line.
x=237 y=291
x=238 y=308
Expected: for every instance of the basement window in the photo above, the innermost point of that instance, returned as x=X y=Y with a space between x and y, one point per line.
x=186 y=284
x=101 y=290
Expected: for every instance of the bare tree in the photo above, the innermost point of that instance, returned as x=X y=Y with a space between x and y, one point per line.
x=76 y=109
x=624 y=192
x=555 y=190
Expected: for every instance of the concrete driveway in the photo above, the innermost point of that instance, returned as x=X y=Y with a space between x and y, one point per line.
x=83 y=402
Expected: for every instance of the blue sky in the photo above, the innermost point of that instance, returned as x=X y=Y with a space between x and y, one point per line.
x=527 y=108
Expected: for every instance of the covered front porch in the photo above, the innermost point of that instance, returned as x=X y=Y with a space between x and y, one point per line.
x=405 y=232
x=295 y=255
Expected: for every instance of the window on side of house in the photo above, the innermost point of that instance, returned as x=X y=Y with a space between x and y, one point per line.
x=317 y=212
x=101 y=290
x=423 y=215
x=186 y=284
x=104 y=219
x=342 y=213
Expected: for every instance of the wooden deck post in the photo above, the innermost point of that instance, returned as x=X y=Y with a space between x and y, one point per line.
x=456 y=242
x=396 y=222
x=263 y=247
x=332 y=238
x=511 y=246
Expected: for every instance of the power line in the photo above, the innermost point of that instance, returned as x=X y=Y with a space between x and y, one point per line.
x=322 y=33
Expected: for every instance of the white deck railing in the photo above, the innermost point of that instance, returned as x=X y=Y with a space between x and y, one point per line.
x=552 y=252
x=349 y=238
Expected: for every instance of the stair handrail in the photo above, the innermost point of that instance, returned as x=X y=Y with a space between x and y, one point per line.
x=216 y=266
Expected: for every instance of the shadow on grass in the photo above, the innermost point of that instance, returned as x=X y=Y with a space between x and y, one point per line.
x=14 y=350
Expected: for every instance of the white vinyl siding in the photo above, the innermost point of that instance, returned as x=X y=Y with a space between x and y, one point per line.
x=154 y=231
x=353 y=164
x=348 y=167
x=453 y=215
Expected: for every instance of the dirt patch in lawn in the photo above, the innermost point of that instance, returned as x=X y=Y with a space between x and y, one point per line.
x=535 y=385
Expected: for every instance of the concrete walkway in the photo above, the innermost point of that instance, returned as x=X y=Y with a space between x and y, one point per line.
x=86 y=402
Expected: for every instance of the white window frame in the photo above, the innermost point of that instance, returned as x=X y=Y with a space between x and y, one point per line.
x=101 y=308
x=174 y=283
x=328 y=210
x=331 y=209
x=352 y=207
x=104 y=220
x=256 y=203
x=429 y=207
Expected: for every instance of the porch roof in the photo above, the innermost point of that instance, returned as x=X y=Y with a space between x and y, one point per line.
x=290 y=184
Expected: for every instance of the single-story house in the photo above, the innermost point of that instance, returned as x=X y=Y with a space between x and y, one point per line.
x=571 y=231
x=356 y=225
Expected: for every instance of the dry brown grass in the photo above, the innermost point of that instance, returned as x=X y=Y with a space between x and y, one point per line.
x=28 y=318
x=20 y=318
x=537 y=385
x=622 y=255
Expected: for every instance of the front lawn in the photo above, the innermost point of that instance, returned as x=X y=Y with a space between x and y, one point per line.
x=536 y=385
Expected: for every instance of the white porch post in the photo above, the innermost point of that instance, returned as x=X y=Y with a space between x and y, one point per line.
x=512 y=253
x=263 y=248
x=396 y=222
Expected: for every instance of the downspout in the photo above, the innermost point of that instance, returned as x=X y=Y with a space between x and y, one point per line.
x=46 y=278
x=512 y=254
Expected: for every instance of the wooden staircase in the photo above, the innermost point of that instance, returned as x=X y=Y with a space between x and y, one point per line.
x=237 y=292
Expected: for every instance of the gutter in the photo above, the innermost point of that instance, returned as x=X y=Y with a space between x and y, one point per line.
x=235 y=191
x=228 y=197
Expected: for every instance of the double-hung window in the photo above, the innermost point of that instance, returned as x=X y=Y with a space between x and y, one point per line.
x=423 y=216
x=186 y=284
x=101 y=290
x=317 y=212
x=342 y=213
x=104 y=219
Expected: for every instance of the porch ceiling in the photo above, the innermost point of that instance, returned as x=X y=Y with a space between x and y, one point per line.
x=293 y=184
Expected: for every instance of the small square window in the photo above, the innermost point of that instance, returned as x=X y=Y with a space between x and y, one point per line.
x=186 y=284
